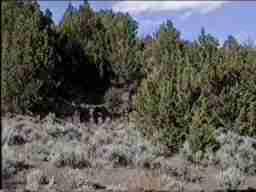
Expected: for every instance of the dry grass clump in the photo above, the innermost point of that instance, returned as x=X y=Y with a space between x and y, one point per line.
x=14 y=134
x=20 y=130
x=231 y=178
x=144 y=152
x=70 y=154
x=129 y=148
x=120 y=155
x=9 y=162
x=235 y=158
x=74 y=144
x=72 y=148
x=56 y=128
x=237 y=151
x=198 y=157
x=35 y=178
x=13 y=162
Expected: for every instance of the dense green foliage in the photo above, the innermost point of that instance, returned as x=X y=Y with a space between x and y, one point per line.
x=187 y=89
x=123 y=48
x=26 y=54
x=97 y=50
x=192 y=89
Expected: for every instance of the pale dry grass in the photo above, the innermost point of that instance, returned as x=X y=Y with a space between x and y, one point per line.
x=68 y=149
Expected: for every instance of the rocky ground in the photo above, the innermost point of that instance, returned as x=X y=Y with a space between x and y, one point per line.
x=54 y=155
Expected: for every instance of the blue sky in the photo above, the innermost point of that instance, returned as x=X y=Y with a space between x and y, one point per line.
x=220 y=18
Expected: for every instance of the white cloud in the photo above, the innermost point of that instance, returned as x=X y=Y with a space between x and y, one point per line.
x=186 y=15
x=138 y=8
